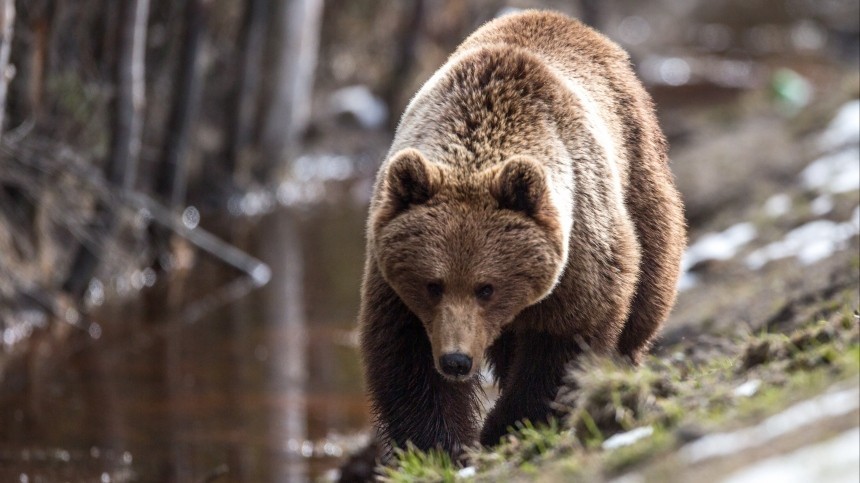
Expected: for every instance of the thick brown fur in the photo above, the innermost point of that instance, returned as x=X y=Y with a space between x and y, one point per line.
x=532 y=163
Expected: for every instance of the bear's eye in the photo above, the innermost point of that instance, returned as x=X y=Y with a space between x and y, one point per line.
x=484 y=292
x=435 y=289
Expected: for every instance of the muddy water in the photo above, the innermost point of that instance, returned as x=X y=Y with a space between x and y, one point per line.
x=266 y=388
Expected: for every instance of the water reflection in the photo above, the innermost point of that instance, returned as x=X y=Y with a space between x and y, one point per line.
x=283 y=301
x=260 y=389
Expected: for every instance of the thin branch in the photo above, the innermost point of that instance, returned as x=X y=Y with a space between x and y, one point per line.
x=204 y=240
x=109 y=195
x=7 y=21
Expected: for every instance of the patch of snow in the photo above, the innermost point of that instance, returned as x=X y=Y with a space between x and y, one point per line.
x=795 y=417
x=843 y=129
x=467 y=472
x=296 y=193
x=627 y=438
x=675 y=71
x=322 y=167
x=808 y=35
x=719 y=246
x=838 y=172
x=687 y=281
x=836 y=460
x=810 y=243
x=252 y=203
x=777 y=205
x=748 y=388
x=821 y=205
x=305 y=185
x=369 y=110
x=629 y=478
x=714 y=246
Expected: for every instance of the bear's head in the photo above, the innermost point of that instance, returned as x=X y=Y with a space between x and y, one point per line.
x=466 y=252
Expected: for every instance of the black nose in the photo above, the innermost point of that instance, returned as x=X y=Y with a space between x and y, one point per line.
x=455 y=364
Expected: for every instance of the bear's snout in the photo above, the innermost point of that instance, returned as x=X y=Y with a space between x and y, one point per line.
x=458 y=337
x=455 y=364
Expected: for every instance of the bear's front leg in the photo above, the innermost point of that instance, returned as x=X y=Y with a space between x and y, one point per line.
x=538 y=366
x=412 y=402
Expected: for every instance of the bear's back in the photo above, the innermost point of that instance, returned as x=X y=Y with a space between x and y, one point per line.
x=596 y=69
x=565 y=43
x=552 y=56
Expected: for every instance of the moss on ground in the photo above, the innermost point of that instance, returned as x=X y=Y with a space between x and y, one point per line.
x=677 y=398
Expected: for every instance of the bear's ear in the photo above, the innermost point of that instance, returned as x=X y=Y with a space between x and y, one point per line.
x=520 y=185
x=410 y=180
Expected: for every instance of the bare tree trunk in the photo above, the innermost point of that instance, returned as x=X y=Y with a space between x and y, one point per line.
x=408 y=34
x=288 y=114
x=252 y=45
x=131 y=95
x=290 y=106
x=173 y=170
x=7 y=71
x=128 y=107
x=284 y=304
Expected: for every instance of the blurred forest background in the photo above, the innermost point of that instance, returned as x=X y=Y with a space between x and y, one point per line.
x=183 y=187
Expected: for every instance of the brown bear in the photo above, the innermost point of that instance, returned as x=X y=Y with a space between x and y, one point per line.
x=525 y=213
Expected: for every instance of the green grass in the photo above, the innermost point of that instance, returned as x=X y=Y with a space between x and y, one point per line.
x=417 y=466
x=670 y=394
